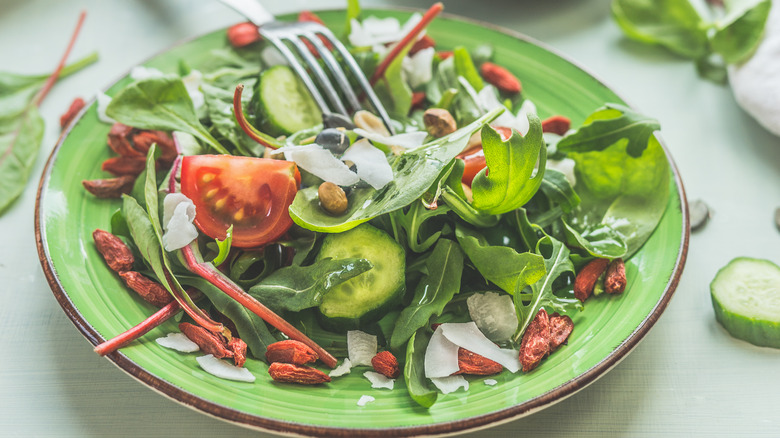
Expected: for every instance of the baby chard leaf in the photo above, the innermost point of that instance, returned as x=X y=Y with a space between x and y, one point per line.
x=607 y=126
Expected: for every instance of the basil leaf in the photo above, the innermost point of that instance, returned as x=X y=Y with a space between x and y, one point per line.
x=500 y=264
x=414 y=369
x=674 y=24
x=413 y=174
x=507 y=182
x=607 y=126
x=295 y=288
x=740 y=31
x=160 y=103
x=433 y=292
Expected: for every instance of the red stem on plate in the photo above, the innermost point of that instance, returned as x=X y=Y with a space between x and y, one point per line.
x=56 y=74
x=408 y=39
x=139 y=330
x=251 y=131
x=215 y=277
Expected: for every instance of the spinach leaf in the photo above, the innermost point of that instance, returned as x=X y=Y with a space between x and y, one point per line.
x=527 y=304
x=413 y=174
x=251 y=328
x=219 y=110
x=674 y=24
x=607 y=126
x=433 y=292
x=559 y=191
x=739 y=32
x=414 y=370
x=295 y=288
x=507 y=182
x=501 y=265
x=22 y=128
x=160 y=103
x=598 y=240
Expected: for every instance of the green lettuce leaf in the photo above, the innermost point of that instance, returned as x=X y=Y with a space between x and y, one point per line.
x=738 y=33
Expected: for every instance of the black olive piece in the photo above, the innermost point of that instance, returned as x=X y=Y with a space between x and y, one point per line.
x=333 y=120
x=334 y=140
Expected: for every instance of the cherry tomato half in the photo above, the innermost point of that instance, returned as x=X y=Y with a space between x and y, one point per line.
x=474 y=158
x=252 y=194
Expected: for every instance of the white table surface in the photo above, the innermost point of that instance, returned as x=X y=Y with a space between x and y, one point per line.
x=687 y=378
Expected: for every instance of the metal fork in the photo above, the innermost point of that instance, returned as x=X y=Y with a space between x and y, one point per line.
x=289 y=39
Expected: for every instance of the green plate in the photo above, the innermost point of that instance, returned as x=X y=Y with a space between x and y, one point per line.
x=95 y=299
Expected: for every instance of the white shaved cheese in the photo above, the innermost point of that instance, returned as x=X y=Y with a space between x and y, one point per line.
x=565 y=166
x=468 y=336
x=179 y=342
x=407 y=140
x=361 y=346
x=364 y=400
x=321 y=163
x=271 y=56
x=490 y=382
x=192 y=82
x=450 y=384
x=526 y=108
x=441 y=356
x=140 y=72
x=371 y=163
x=418 y=68
x=379 y=381
x=344 y=368
x=178 y=215
x=103 y=100
x=755 y=82
x=488 y=101
x=494 y=314
x=224 y=370
x=375 y=31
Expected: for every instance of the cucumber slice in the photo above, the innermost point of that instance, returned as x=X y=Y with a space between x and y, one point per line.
x=283 y=104
x=363 y=299
x=746 y=297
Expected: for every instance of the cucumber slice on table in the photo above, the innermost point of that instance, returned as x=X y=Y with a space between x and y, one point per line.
x=282 y=102
x=363 y=299
x=746 y=298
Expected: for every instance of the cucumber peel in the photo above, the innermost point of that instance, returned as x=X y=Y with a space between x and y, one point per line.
x=746 y=298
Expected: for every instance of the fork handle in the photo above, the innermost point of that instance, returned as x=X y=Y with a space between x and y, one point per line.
x=251 y=10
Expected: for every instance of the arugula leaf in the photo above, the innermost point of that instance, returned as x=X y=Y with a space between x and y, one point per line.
x=607 y=126
x=501 y=265
x=464 y=67
x=453 y=195
x=674 y=24
x=219 y=110
x=412 y=222
x=739 y=32
x=295 y=288
x=413 y=174
x=559 y=191
x=160 y=103
x=507 y=182
x=414 y=369
x=433 y=292
x=393 y=90
x=527 y=304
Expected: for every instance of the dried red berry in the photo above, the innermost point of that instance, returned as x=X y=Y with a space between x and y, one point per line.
x=291 y=373
x=386 y=364
x=75 y=106
x=290 y=351
x=114 y=251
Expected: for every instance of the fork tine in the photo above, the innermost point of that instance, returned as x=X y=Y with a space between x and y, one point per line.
x=359 y=75
x=297 y=67
x=336 y=71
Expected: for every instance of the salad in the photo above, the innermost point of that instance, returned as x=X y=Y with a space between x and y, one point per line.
x=467 y=243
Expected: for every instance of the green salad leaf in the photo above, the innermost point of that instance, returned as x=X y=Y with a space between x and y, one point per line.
x=738 y=33
x=435 y=289
x=414 y=369
x=508 y=181
x=413 y=174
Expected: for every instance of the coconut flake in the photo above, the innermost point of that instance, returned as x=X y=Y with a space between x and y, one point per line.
x=179 y=342
x=441 y=356
x=178 y=215
x=140 y=72
x=490 y=382
x=565 y=166
x=192 y=82
x=527 y=108
x=344 y=368
x=321 y=163
x=361 y=346
x=103 y=100
x=418 y=68
x=373 y=31
x=468 y=336
x=450 y=383
x=494 y=314
x=755 y=82
x=379 y=381
x=364 y=400
x=371 y=163
x=407 y=140
x=224 y=370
